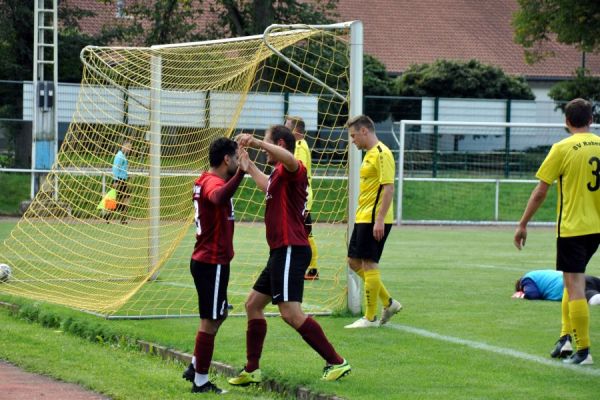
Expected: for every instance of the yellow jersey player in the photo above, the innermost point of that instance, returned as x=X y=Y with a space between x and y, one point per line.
x=374 y=217
x=574 y=163
x=302 y=153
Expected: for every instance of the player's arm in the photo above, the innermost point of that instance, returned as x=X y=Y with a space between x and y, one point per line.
x=223 y=194
x=257 y=175
x=386 y=201
x=530 y=290
x=386 y=178
x=538 y=195
x=278 y=153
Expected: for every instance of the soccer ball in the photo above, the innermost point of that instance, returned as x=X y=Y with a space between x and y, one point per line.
x=5 y=273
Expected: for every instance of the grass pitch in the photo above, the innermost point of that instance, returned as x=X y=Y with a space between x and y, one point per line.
x=460 y=335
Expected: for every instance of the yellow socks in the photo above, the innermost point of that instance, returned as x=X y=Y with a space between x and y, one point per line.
x=315 y=254
x=372 y=288
x=565 y=326
x=384 y=295
x=580 y=322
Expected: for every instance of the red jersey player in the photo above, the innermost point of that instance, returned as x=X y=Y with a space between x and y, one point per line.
x=282 y=280
x=213 y=251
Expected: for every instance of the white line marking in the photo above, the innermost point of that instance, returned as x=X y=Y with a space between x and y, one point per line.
x=586 y=370
x=483 y=266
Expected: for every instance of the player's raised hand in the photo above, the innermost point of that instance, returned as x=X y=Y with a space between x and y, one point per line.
x=245 y=139
x=520 y=237
x=243 y=159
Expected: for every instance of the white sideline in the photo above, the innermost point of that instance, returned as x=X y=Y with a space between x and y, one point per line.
x=487 y=266
x=585 y=370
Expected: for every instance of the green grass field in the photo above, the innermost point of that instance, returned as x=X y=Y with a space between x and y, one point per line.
x=460 y=335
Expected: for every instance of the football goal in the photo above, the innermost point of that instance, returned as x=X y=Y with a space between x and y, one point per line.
x=453 y=172
x=170 y=102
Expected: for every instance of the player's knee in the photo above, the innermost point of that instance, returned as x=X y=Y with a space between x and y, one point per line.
x=288 y=318
x=292 y=318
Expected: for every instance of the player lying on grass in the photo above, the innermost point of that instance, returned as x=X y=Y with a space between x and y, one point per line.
x=547 y=284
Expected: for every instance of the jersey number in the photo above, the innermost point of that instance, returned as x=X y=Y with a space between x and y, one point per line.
x=592 y=187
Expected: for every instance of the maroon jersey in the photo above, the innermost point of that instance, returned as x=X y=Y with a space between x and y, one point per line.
x=286 y=207
x=214 y=220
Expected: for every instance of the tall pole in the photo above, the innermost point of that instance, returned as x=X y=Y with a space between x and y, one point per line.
x=44 y=127
x=354 y=155
x=154 y=141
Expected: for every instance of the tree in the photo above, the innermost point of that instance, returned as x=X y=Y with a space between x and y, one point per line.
x=582 y=86
x=376 y=82
x=572 y=22
x=250 y=17
x=16 y=45
x=16 y=56
x=465 y=79
x=468 y=79
x=156 y=22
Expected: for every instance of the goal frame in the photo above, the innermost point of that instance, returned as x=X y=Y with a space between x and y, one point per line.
x=401 y=179
x=354 y=155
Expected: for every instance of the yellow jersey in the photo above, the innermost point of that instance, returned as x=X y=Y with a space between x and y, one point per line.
x=575 y=163
x=377 y=169
x=302 y=153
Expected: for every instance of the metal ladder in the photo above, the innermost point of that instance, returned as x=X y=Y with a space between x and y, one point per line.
x=44 y=138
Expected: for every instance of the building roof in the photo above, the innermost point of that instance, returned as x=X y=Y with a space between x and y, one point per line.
x=405 y=32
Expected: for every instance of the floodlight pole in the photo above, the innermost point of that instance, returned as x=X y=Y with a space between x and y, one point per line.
x=354 y=155
x=154 y=140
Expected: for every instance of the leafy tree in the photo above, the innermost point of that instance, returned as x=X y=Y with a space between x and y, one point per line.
x=250 y=17
x=16 y=45
x=16 y=55
x=376 y=82
x=467 y=79
x=572 y=22
x=586 y=87
x=464 y=79
x=156 y=22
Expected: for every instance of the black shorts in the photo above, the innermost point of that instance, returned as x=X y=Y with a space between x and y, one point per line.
x=122 y=189
x=308 y=224
x=211 y=282
x=574 y=253
x=283 y=277
x=363 y=245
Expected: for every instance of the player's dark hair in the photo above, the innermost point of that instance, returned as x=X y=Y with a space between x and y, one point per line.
x=281 y=132
x=579 y=113
x=297 y=123
x=361 y=121
x=518 y=286
x=220 y=148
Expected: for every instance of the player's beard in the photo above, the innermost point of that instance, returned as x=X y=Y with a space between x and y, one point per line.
x=231 y=170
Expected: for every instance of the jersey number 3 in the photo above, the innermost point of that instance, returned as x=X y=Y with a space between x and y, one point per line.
x=593 y=186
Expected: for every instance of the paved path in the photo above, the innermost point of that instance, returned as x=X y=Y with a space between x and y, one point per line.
x=16 y=384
